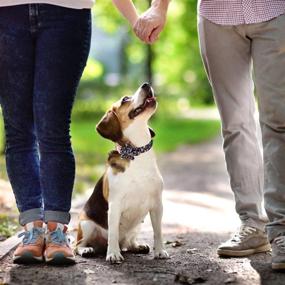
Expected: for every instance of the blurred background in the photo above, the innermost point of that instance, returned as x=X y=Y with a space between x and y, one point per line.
x=117 y=65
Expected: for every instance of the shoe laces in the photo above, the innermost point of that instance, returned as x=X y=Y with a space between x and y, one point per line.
x=31 y=236
x=244 y=232
x=280 y=242
x=58 y=237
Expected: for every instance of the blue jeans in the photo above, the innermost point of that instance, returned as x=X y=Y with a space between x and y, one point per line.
x=43 y=51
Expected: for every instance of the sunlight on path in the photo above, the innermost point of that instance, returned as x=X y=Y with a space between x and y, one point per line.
x=197 y=195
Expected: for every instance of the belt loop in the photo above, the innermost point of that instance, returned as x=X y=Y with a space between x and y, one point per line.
x=33 y=17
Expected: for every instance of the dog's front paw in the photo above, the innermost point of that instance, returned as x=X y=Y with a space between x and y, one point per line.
x=161 y=254
x=114 y=257
x=139 y=249
x=85 y=251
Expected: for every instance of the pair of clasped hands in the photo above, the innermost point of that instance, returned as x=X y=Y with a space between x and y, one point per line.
x=148 y=25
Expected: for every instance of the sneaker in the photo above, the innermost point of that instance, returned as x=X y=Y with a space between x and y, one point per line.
x=58 y=250
x=247 y=241
x=278 y=253
x=32 y=246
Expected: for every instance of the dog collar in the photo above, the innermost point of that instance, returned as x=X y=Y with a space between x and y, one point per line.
x=127 y=151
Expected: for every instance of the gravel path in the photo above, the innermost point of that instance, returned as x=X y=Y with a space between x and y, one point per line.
x=198 y=215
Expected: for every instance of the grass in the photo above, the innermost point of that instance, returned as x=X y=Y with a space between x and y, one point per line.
x=170 y=133
x=173 y=132
x=91 y=149
x=8 y=226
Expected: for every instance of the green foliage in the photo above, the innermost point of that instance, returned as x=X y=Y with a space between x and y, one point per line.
x=180 y=81
x=93 y=69
x=87 y=141
x=173 y=132
x=8 y=226
x=1 y=133
x=91 y=149
x=177 y=64
x=178 y=61
x=108 y=18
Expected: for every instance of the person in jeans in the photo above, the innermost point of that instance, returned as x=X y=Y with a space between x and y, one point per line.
x=43 y=51
x=237 y=37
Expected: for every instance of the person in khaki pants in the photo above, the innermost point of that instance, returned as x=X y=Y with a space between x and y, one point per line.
x=233 y=48
x=236 y=38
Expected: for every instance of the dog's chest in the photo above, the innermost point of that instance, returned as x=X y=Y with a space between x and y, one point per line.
x=136 y=190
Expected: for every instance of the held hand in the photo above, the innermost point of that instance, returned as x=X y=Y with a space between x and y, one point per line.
x=150 y=24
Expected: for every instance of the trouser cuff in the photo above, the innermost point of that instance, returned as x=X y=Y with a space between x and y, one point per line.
x=253 y=223
x=30 y=216
x=57 y=216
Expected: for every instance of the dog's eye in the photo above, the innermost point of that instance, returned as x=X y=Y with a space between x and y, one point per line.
x=125 y=99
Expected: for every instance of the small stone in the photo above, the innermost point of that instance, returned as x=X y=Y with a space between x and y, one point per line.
x=181 y=278
x=230 y=280
x=199 y=280
x=192 y=250
x=114 y=281
x=89 y=271
x=184 y=279
x=176 y=243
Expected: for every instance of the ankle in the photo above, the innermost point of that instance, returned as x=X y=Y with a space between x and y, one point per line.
x=34 y=224
x=53 y=226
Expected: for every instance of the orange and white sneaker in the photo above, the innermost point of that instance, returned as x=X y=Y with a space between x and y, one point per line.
x=32 y=246
x=58 y=250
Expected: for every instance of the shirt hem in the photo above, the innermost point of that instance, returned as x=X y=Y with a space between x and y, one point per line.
x=82 y=4
x=224 y=22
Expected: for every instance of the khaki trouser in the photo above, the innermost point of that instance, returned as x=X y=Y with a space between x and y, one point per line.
x=229 y=53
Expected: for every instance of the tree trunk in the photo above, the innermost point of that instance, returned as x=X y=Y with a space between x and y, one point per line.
x=149 y=64
x=149 y=59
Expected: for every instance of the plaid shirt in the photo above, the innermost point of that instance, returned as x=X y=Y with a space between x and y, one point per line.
x=236 y=12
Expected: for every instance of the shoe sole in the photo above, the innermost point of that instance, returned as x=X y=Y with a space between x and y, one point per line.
x=27 y=258
x=246 y=252
x=60 y=259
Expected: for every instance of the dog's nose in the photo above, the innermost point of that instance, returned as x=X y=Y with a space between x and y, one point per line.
x=147 y=88
x=145 y=85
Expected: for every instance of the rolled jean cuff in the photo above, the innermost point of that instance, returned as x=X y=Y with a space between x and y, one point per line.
x=57 y=216
x=274 y=231
x=30 y=216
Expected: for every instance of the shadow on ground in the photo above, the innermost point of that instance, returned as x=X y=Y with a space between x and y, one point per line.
x=193 y=262
x=263 y=267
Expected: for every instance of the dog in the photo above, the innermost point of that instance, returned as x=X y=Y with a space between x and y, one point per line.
x=131 y=186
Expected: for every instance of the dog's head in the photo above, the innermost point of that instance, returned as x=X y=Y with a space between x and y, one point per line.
x=129 y=115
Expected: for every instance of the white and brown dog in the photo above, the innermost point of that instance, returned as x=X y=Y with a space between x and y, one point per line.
x=131 y=186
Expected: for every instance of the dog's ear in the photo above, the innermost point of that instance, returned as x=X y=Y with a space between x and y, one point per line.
x=109 y=127
x=152 y=133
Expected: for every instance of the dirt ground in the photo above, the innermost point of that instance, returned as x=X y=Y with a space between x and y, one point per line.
x=195 y=262
x=198 y=215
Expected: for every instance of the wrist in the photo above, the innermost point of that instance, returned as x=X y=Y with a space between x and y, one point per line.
x=162 y=5
x=133 y=19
